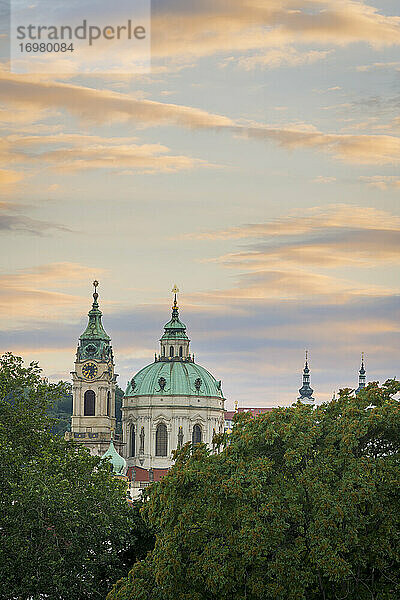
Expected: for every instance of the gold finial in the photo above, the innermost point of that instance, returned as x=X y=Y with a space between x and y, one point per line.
x=236 y=405
x=175 y=290
x=362 y=356
x=306 y=355
x=95 y=285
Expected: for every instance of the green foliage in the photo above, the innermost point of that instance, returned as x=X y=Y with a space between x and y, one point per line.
x=61 y=410
x=66 y=529
x=302 y=504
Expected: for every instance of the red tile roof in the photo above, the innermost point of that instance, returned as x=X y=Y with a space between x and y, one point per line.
x=140 y=474
x=159 y=474
x=254 y=411
x=229 y=415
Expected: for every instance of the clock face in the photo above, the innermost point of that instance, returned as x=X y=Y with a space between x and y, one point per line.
x=89 y=370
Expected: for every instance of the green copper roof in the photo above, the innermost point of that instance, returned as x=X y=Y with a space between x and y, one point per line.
x=94 y=341
x=117 y=461
x=174 y=378
x=174 y=329
x=95 y=329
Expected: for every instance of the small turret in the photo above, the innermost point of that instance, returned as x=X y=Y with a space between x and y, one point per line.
x=361 y=376
x=117 y=461
x=306 y=390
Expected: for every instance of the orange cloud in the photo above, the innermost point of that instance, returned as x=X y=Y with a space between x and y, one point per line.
x=104 y=105
x=316 y=218
x=32 y=294
x=9 y=177
x=244 y=25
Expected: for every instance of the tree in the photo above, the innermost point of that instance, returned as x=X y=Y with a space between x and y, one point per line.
x=302 y=504
x=66 y=529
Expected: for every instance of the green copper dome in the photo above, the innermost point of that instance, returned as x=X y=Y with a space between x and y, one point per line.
x=174 y=372
x=117 y=461
x=174 y=378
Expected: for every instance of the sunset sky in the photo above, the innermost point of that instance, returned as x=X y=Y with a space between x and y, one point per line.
x=256 y=166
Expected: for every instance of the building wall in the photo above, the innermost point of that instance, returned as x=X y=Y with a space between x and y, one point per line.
x=174 y=412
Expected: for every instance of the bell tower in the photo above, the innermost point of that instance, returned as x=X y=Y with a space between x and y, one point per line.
x=94 y=382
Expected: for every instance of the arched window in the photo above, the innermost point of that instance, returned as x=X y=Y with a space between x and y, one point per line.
x=161 y=440
x=196 y=435
x=163 y=351
x=180 y=351
x=132 y=448
x=89 y=400
x=108 y=403
x=171 y=350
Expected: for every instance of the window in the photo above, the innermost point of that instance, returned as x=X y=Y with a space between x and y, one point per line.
x=163 y=351
x=171 y=350
x=161 y=440
x=89 y=401
x=133 y=442
x=180 y=351
x=108 y=403
x=196 y=435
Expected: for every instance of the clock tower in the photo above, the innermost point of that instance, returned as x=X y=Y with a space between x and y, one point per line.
x=94 y=381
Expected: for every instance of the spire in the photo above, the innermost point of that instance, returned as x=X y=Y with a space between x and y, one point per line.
x=174 y=341
x=175 y=291
x=94 y=329
x=175 y=329
x=361 y=375
x=306 y=390
x=94 y=341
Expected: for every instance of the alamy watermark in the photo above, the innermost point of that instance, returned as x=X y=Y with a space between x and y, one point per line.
x=83 y=37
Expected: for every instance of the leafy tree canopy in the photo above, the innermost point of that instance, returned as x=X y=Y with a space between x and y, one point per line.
x=66 y=529
x=302 y=504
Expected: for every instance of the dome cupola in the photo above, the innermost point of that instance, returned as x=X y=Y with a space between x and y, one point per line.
x=174 y=342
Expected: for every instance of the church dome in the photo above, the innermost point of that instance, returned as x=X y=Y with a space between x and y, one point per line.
x=174 y=378
x=174 y=372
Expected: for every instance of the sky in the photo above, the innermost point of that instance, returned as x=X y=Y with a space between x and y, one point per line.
x=256 y=166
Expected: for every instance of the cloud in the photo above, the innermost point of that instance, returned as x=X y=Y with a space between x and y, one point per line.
x=382 y=182
x=147 y=158
x=243 y=26
x=324 y=179
x=293 y=257
x=309 y=220
x=19 y=223
x=96 y=105
x=39 y=293
x=379 y=65
x=361 y=149
x=76 y=152
x=282 y=57
x=9 y=177
x=106 y=106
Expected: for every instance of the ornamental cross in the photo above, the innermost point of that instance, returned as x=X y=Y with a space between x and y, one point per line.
x=175 y=290
x=95 y=284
